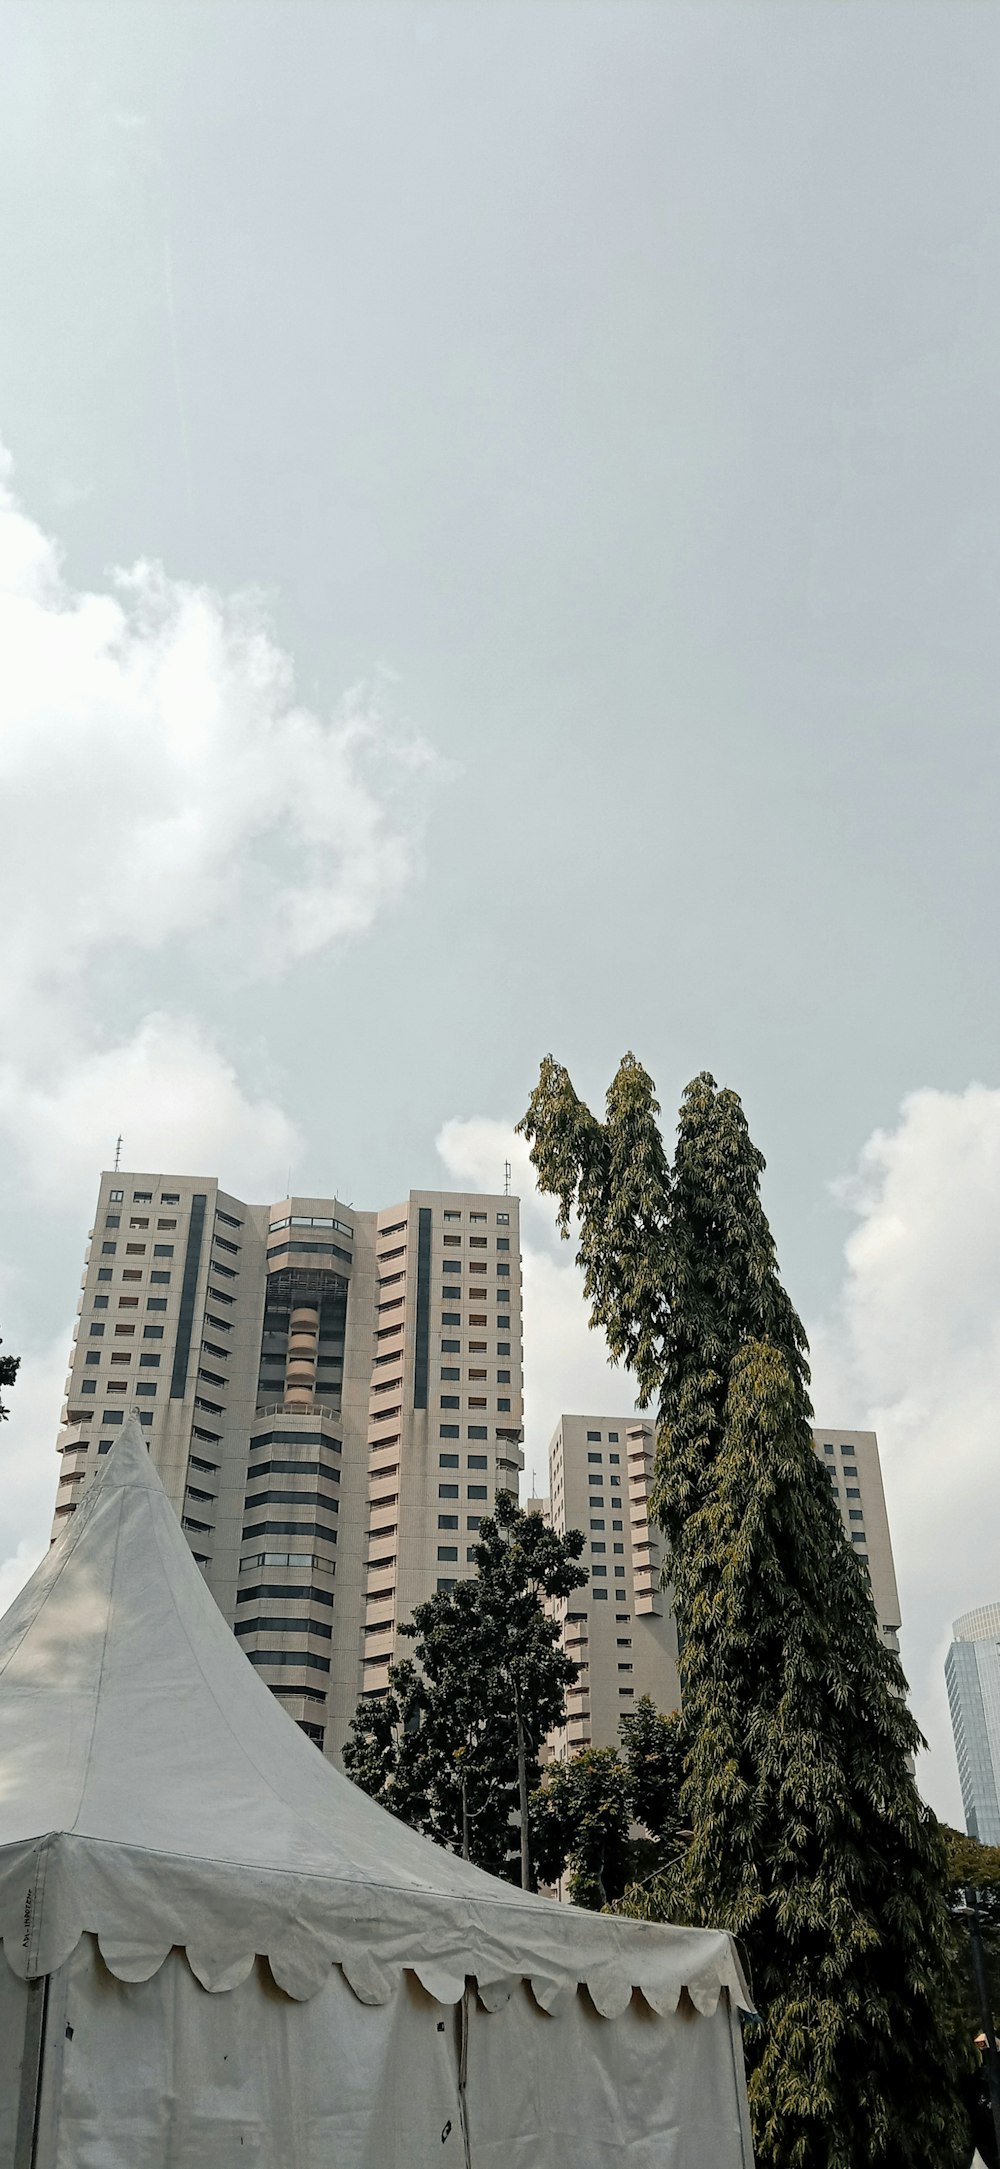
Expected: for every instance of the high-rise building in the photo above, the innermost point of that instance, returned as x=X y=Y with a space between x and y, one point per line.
x=620 y=1628
x=332 y=1399
x=851 y=1460
x=972 y=1671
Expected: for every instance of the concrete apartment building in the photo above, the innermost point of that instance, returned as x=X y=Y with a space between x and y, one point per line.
x=620 y=1628
x=972 y=1672
x=332 y=1399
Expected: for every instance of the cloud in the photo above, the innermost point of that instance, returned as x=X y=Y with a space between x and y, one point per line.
x=30 y=1466
x=162 y=785
x=566 y=1366
x=172 y=815
x=913 y=1351
x=176 y=1101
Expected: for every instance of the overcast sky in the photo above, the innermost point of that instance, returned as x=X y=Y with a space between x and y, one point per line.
x=499 y=555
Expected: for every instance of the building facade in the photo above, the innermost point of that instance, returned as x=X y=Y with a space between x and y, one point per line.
x=620 y=1628
x=972 y=1672
x=332 y=1399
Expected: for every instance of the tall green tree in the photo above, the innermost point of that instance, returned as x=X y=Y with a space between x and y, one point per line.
x=808 y=1838
x=453 y=1747
x=9 y=1367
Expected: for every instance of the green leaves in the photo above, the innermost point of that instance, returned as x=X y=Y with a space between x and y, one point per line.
x=440 y=1749
x=807 y=1836
x=9 y=1367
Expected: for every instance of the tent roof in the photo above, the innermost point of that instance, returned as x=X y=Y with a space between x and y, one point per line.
x=154 y=1793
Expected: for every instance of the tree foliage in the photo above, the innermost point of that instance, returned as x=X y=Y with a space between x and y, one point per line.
x=9 y=1366
x=440 y=1749
x=585 y=1808
x=808 y=1838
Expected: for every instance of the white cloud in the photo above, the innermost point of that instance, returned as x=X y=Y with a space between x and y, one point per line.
x=161 y=782
x=30 y=1467
x=176 y=1101
x=566 y=1366
x=914 y=1352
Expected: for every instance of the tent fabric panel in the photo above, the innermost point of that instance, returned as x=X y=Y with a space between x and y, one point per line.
x=157 y=2075
x=141 y=1903
x=573 y=2093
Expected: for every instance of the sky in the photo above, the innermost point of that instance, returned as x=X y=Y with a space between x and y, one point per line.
x=498 y=554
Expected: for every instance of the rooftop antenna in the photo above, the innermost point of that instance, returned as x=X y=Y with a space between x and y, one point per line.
x=506 y=1178
x=118 y=1153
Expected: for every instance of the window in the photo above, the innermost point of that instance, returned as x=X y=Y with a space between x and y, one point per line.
x=135 y=1250
x=852 y=1490
x=850 y=1472
x=138 y=1222
x=116 y=1196
x=451 y=1317
x=620 y=1571
x=108 y=1251
x=112 y=1220
x=600 y=1570
x=166 y=1223
x=477 y=1216
x=131 y=1272
x=503 y=1378
x=598 y=1480
x=858 y=1536
x=599 y=1593
x=616 y=1483
x=147 y=1386
x=594 y=1457
x=104 y=1272
x=856 y=1513
x=447 y=1461
x=100 y=1302
x=447 y=1521
x=164 y=1250
x=503 y=1348
x=476 y=1401
x=227 y=1218
x=88 y=1385
x=476 y=1461
x=618 y=1547
x=452 y=1240
x=447 y=1551
x=503 y=1407
x=828 y=1449
x=170 y=1197
x=444 y=1584
x=161 y=1280
x=503 y=1324
x=451 y=1348
x=476 y=1242
x=156 y=1302
x=616 y=1524
x=591 y=1435
x=473 y=1522
x=448 y=1491
x=448 y=1430
x=453 y=1216
x=848 y=1450
x=476 y=1491
x=503 y=1273
x=142 y=1197
x=613 y=1440
x=97 y=1331
x=597 y=1525
x=450 y=1400
x=128 y=1302
x=503 y=1220
x=503 y=1242
x=477 y=1430
x=124 y=1332
x=450 y=1370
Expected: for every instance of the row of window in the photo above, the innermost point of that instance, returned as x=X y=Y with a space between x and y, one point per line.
x=454 y=1317
x=503 y=1219
x=453 y=1400
x=476 y=1242
x=473 y=1430
x=137 y=1250
x=472 y=1491
x=451 y=1521
x=145 y=1197
x=452 y=1371
x=138 y=1220
x=475 y=1348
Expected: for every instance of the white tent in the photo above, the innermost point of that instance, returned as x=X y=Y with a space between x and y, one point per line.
x=219 y=1952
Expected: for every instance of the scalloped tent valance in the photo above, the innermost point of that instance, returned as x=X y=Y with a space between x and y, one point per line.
x=155 y=1795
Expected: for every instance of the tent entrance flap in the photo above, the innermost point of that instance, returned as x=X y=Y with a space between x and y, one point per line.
x=36 y=1999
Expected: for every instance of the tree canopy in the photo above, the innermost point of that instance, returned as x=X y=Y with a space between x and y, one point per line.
x=584 y=1810
x=808 y=1839
x=441 y=1748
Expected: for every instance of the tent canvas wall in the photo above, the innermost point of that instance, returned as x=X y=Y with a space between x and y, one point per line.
x=218 y=1951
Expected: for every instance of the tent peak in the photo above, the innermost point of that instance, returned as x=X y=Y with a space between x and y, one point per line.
x=128 y=1463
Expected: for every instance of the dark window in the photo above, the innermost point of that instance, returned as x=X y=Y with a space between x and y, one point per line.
x=108 y=1250
x=447 y=1551
x=476 y=1491
x=149 y=1363
x=160 y=1280
x=450 y=1400
x=451 y=1348
x=422 y=1316
x=289 y=1656
x=104 y=1272
x=163 y=1250
x=448 y=1491
x=152 y=1333
x=189 y=1285
x=476 y=1461
x=97 y=1332
x=447 y=1521
x=289 y=1528
x=300 y=1595
x=448 y=1430
x=112 y=1220
x=448 y=1461
x=277 y=1625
